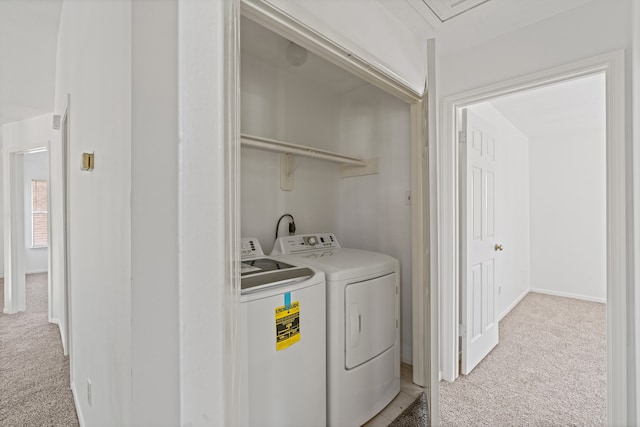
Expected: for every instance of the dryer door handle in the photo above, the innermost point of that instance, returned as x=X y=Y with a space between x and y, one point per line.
x=355 y=326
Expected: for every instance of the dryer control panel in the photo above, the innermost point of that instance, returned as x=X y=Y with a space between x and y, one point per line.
x=305 y=243
x=250 y=248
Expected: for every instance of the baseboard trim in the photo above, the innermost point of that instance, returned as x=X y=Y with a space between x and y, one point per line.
x=568 y=295
x=75 y=401
x=513 y=305
x=37 y=271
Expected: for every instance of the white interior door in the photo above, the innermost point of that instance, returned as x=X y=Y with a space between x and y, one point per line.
x=479 y=325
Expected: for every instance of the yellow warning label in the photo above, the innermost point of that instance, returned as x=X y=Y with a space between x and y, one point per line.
x=287 y=325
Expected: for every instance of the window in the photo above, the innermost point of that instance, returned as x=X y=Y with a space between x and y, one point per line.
x=39 y=213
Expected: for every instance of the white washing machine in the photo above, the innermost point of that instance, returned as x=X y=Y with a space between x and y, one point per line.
x=283 y=326
x=363 y=326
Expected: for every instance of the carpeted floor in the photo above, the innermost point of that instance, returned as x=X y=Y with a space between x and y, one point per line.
x=34 y=374
x=549 y=369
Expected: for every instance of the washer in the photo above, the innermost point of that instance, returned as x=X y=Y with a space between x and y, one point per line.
x=283 y=326
x=363 y=331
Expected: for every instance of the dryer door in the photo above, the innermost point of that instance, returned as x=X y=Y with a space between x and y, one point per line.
x=370 y=318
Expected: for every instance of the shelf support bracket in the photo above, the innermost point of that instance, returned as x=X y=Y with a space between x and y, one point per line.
x=287 y=180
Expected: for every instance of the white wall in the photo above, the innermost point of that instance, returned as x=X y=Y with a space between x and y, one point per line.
x=35 y=168
x=154 y=215
x=373 y=213
x=94 y=66
x=279 y=104
x=598 y=27
x=208 y=238
x=512 y=209
x=119 y=61
x=568 y=211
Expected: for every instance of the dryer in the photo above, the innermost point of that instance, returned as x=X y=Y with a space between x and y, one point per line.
x=283 y=329
x=363 y=326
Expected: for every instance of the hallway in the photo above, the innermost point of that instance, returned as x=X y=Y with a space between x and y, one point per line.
x=34 y=374
x=550 y=368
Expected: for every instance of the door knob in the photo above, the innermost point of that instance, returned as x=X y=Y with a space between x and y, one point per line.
x=498 y=247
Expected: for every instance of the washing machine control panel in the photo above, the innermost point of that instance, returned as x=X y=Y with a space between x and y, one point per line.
x=305 y=243
x=250 y=248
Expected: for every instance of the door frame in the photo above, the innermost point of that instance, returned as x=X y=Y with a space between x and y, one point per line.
x=425 y=310
x=65 y=235
x=15 y=246
x=14 y=239
x=612 y=64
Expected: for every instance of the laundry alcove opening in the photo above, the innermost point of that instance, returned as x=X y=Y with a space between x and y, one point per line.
x=314 y=103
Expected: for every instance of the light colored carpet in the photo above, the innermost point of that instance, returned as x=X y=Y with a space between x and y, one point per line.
x=34 y=374
x=548 y=370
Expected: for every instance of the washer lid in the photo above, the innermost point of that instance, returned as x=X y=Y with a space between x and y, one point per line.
x=346 y=263
x=261 y=272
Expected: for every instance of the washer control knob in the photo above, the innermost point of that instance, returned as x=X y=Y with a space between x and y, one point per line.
x=312 y=240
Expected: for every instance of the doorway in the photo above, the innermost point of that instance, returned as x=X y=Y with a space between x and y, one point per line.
x=27 y=142
x=545 y=232
x=612 y=65
x=26 y=195
x=35 y=187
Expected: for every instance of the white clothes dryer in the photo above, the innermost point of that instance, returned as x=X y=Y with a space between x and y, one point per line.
x=283 y=329
x=363 y=330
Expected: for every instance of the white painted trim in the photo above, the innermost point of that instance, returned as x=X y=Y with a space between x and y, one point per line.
x=282 y=23
x=14 y=250
x=513 y=305
x=50 y=245
x=67 y=306
x=37 y=271
x=209 y=265
x=233 y=214
x=612 y=64
x=65 y=350
x=432 y=302
x=74 y=392
x=617 y=273
x=568 y=295
x=634 y=296
x=419 y=268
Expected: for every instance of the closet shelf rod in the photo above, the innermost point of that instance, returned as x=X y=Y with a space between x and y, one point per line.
x=298 y=150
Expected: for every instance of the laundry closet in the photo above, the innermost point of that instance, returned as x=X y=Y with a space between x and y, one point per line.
x=320 y=106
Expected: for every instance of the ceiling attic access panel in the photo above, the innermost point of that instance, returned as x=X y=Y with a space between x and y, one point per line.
x=447 y=9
